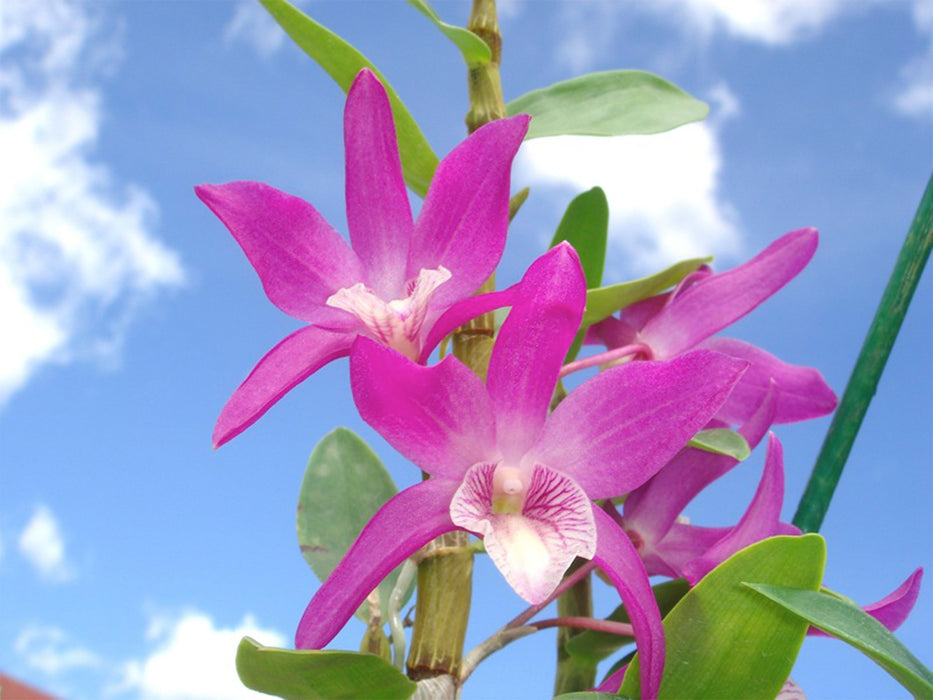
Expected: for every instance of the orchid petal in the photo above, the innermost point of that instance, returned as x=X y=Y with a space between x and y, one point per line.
x=611 y=332
x=713 y=303
x=378 y=213
x=760 y=520
x=652 y=508
x=790 y=691
x=892 y=610
x=804 y=393
x=612 y=682
x=404 y=524
x=439 y=417
x=287 y=364
x=614 y=432
x=616 y=556
x=681 y=544
x=534 y=547
x=463 y=222
x=531 y=347
x=463 y=311
x=301 y=260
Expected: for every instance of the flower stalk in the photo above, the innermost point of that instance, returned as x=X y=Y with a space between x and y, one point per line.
x=868 y=368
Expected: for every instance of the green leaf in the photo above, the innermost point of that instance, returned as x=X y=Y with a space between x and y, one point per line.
x=475 y=51
x=610 y=103
x=341 y=61
x=721 y=441
x=343 y=486
x=845 y=620
x=587 y=695
x=596 y=646
x=605 y=301
x=585 y=225
x=722 y=641
x=312 y=674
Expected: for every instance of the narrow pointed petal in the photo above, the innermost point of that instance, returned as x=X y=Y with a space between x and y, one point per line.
x=616 y=556
x=289 y=363
x=461 y=312
x=651 y=509
x=531 y=347
x=532 y=548
x=301 y=260
x=378 y=213
x=407 y=522
x=761 y=519
x=804 y=393
x=681 y=544
x=892 y=610
x=463 y=222
x=612 y=682
x=713 y=303
x=611 y=332
x=614 y=432
x=439 y=417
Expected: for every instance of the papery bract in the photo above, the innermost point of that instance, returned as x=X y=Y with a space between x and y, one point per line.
x=400 y=279
x=521 y=479
x=704 y=303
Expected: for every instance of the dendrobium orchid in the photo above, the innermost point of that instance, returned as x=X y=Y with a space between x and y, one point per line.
x=667 y=325
x=400 y=282
x=652 y=513
x=505 y=470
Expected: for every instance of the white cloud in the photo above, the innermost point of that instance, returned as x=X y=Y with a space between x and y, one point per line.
x=664 y=193
x=51 y=651
x=193 y=659
x=255 y=27
x=42 y=545
x=914 y=97
x=77 y=252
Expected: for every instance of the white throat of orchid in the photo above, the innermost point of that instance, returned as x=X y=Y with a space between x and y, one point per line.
x=508 y=490
x=396 y=323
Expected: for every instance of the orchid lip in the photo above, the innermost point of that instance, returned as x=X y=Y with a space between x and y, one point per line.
x=396 y=323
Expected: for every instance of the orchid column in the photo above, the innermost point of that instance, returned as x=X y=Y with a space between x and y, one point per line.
x=445 y=576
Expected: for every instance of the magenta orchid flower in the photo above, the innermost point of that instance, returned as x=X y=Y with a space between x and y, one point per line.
x=652 y=513
x=400 y=282
x=667 y=325
x=892 y=610
x=505 y=470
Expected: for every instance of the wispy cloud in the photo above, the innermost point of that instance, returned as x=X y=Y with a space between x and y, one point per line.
x=51 y=651
x=77 y=250
x=42 y=545
x=914 y=97
x=253 y=26
x=193 y=659
x=663 y=190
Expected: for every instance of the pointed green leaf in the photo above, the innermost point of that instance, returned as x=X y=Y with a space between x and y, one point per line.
x=605 y=301
x=610 y=103
x=475 y=51
x=845 y=620
x=721 y=641
x=585 y=225
x=342 y=62
x=312 y=674
x=721 y=441
x=596 y=646
x=343 y=486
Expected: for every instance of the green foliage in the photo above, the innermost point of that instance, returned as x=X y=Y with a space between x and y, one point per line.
x=605 y=301
x=585 y=225
x=610 y=103
x=845 y=620
x=722 y=641
x=475 y=51
x=311 y=674
x=343 y=486
x=342 y=61
x=721 y=441
x=595 y=646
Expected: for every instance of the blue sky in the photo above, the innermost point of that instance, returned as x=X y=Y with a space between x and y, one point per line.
x=133 y=557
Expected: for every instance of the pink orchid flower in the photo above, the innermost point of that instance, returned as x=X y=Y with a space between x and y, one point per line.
x=505 y=470
x=667 y=325
x=400 y=282
x=652 y=513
